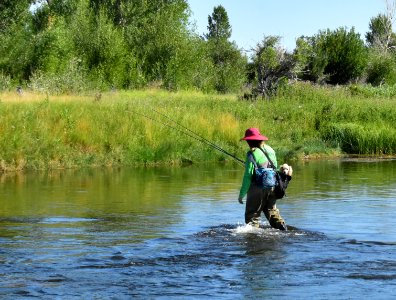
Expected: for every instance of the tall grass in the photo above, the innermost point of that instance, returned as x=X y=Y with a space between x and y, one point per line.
x=48 y=132
x=360 y=139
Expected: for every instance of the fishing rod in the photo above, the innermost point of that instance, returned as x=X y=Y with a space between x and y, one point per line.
x=202 y=139
x=189 y=133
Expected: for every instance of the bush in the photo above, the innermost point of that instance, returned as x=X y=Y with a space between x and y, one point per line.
x=272 y=67
x=5 y=82
x=381 y=69
x=102 y=49
x=71 y=80
x=337 y=57
x=190 y=68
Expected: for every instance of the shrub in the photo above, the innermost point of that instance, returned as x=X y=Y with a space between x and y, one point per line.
x=71 y=80
x=381 y=69
x=338 y=56
x=5 y=82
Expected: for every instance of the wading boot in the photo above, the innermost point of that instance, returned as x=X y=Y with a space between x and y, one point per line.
x=282 y=226
x=254 y=223
x=276 y=220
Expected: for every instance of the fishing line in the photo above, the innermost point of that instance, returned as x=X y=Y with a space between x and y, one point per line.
x=187 y=132
x=202 y=139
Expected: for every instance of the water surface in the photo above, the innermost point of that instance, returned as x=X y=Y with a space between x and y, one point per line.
x=179 y=233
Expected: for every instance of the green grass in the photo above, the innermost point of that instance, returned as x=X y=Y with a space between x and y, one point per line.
x=54 y=132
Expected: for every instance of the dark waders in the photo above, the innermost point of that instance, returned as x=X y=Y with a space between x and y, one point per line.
x=262 y=200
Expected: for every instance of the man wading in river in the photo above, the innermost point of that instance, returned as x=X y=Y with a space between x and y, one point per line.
x=260 y=198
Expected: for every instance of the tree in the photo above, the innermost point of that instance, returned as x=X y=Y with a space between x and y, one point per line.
x=381 y=35
x=310 y=62
x=219 y=31
x=273 y=66
x=229 y=64
x=346 y=55
x=120 y=43
x=335 y=57
x=156 y=32
x=219 y=27
x=382 y=46
x=15 y=38
x=13 y=12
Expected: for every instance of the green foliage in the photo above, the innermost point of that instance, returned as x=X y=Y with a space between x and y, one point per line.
x=190 y=68
x=229 y=64
x=13 y=12
x=362 y=139
x=71 y=79
x=219 y=27
x=16 y=51
x=381 y=69
x=41 y=19
x=156 y=33
x=101 y=48
x=272 y=66
x=52 y=49
x=5 y=82
x=125 y=44
x=346 y=55
x=303 y=120
x=136 y=44
x=336 y=57
x=310 y=61
x=383 y=91
x=381 y=35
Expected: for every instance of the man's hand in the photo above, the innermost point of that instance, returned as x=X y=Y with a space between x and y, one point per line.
x=240 y=200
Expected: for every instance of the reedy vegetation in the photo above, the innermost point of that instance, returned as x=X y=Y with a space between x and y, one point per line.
x=77 y=131
x=127 y=47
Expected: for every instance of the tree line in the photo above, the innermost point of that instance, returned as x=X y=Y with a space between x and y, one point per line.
x=76 y=45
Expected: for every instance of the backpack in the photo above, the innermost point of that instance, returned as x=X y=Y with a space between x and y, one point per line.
x=268 y=177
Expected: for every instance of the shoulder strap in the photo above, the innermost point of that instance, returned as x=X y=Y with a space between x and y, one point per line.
x=278 y=177
x=251 y=158
x=270 y=161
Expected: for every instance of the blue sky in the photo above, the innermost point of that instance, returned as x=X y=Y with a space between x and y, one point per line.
x=251 y=20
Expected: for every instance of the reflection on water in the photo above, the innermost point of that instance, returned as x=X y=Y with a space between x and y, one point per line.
x=179 y=232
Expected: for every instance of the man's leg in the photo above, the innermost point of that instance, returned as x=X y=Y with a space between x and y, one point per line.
x=253 y=205
x=271 y=212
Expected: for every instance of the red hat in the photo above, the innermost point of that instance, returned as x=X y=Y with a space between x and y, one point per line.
x=253 y=134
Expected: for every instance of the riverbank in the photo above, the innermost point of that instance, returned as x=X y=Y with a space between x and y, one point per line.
x=123 y=128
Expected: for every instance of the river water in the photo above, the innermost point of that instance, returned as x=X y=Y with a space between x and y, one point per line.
x=179 y=233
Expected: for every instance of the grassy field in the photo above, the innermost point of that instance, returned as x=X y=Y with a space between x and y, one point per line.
x=123 y=128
